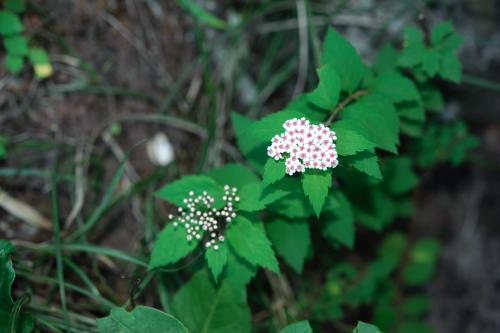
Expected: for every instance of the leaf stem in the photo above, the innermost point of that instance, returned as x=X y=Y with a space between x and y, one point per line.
x=344 y=103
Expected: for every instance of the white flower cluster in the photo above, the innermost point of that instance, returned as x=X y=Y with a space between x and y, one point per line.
x=304 y=146
x=200 y=217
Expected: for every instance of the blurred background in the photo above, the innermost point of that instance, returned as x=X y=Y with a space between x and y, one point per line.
x=146 y=74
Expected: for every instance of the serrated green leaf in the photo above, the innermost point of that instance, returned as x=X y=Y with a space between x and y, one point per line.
x=250 y=198
x=207 y=309
x=412 y=55
x=399 y=175
x=178 y=190
x=251 y=243
x=362 y=327
x=326 y=94
x=298 y=327
x=10 y=24
x=451 y=43
x=365 y=162
x=273 y=171
x=379 y=120
x=386 y=59
x=339 y=53
x=349 y=138
x=38 y=56
x=373 y=208
x=233 y=174
x=415 y=326
x=411 y=128
x=430 y=62
x=396 y=87
x=216 y=259
x=141 y=319
x=440 y=31
x=13 y=63
x=15 y=6
x=292 y=241
x=171 y=246
x=251 y=147
x=238 y=271
x=413 y=111
x=339 y=220
x=423 y=258
x=16 y=45
x=415 y=306
x=431 y=97
x=316 y=185
x=450 y=68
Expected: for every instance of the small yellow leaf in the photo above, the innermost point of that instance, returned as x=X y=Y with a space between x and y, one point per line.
x=43 y=71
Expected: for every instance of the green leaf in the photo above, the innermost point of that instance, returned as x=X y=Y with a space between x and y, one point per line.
x=341 y=56
x=7 y=276
x=339 y=220
x=3 y=152
x=365 y=162
x=201 y=14
x=178 y=190
x=431 y=97
x=267 y=127
x=378 y=120
x=16 y=45
x=326 y=94
x=10 y=24
x=141 y=319
x=411 y=128
x=13 y=63
x=430 y=62
x=386 y=59
x=250 y=198
x=251 y=243
x=233 y=174
x=238 y=271
x=372 y=208
x=414 y=49
x=316 y=185
x=291 y=239
x=412 y=55
x=423 y=258
x=415 y=306
x=440 y=31
x=413 y=111
x=298 y=327
x=24 y=322
x=362 y=327
x=450 y=68
x=251 y=147
x=171 y=246
x=273 y=171
x=216 y=260
x=399 y=175
x=15 y=6
x=395 y=87
x=207 y=309
x=349 y=138
x=41 y=63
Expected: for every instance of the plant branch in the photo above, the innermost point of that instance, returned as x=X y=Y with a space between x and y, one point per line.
x=344 y=103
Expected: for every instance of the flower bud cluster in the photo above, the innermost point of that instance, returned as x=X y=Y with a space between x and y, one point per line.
x=201 y=218
x=305 y=146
